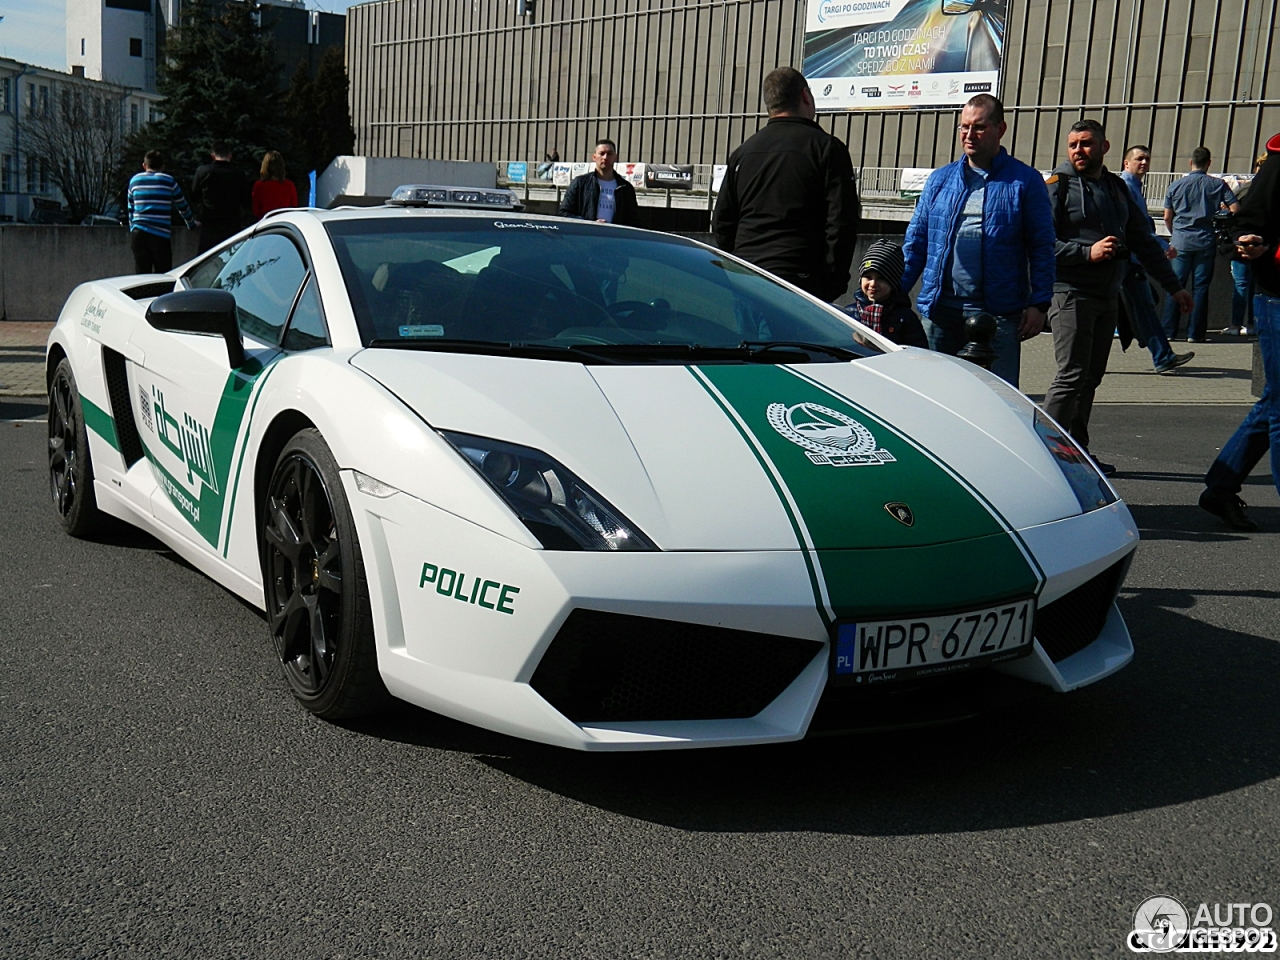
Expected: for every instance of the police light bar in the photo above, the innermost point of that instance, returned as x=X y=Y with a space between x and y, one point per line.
x=471 y=198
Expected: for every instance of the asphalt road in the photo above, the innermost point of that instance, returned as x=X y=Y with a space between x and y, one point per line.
x=163 y=797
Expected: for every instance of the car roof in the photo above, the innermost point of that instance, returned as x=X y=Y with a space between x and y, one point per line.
x=394 y=212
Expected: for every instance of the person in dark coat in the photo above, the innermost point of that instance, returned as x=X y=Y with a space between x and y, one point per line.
x=222 y=197
x=788 y=202
x=1257 y=236
x=880 y=302
x=601 y=194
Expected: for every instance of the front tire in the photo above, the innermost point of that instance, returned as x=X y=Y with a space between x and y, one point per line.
x=316 y=593
x=70 y=469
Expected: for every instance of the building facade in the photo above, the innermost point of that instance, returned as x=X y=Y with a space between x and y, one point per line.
x=121 y=41
x=678 y=81
x=30 y=94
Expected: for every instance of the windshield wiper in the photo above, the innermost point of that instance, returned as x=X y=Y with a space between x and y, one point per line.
x=755 y=347
x=491 y=347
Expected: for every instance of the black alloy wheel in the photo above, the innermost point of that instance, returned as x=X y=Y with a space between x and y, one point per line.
x=70 y=470
x=316 y=593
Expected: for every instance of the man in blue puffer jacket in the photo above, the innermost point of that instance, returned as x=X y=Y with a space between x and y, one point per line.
x=982 y=236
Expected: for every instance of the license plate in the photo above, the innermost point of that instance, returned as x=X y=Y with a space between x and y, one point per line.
x=881 y=650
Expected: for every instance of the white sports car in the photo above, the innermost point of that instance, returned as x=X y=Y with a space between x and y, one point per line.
x=589 y=485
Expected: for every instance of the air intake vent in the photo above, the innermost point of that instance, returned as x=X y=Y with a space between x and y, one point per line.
x=121 y=409
x=607 y=667
x=1073 y=621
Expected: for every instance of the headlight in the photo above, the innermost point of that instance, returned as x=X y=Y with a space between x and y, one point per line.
x=1089 y=486
x=558 y=508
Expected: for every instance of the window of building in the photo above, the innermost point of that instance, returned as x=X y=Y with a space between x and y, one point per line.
x=33 y=174
x=44 y=176
x=4 y=95
x=7 y=178
x=133 y=118
x=135 y=46
x=44 y=101
x=82 y=46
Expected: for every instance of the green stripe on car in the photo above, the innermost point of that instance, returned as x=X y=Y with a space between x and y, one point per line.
x=99 y=421
x=839 y=469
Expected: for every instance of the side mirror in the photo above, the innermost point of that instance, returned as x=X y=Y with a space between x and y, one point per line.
x=209 y=312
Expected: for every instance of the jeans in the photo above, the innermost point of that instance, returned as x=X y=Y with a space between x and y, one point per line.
x=1141 y=304
x=1260 y=429
x=1241 y=294
x=944 y=327
x=1082 y=334
x=1198 y=265
x=151 y=254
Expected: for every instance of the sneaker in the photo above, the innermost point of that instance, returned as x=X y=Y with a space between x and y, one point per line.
x=1229 y=508
x=1178 y=360
x=1106 y=469
x=1196 y=340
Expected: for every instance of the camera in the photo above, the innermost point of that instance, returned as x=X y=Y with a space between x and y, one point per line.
x=1122 y=252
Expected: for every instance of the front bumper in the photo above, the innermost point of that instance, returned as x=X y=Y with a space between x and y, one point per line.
x=465 y=617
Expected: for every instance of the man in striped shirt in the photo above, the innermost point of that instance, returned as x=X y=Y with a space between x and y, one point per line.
x=152 y=196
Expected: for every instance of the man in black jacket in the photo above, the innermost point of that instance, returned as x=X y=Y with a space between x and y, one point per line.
x=601 y=194
x=221 y=195
x=788 y=202
x=1098 y=224
x=1257 y=231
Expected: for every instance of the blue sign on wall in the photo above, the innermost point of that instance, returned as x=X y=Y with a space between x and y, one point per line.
x=517 y=172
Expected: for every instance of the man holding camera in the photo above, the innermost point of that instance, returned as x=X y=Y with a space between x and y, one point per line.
x=1098 y=226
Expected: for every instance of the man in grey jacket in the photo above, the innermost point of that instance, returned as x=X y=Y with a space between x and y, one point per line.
x=1098 y=225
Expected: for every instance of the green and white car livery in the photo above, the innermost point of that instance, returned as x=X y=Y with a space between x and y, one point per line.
x=583 y=484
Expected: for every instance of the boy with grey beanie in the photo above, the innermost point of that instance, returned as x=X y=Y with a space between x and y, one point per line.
x=881 y=303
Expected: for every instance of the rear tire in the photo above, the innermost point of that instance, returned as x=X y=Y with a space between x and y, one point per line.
x=70 y=468
x=314 y=585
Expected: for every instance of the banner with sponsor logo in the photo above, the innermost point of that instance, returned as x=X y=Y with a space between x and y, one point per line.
x=633 y=173
x=669 y=176
x=897 y=54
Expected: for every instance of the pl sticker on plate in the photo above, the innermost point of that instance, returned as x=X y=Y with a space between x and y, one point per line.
x=422 y=330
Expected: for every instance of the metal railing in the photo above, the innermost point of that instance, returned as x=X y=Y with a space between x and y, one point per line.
x=877 y=184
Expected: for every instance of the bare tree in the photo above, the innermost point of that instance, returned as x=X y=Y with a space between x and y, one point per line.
x=80 y=135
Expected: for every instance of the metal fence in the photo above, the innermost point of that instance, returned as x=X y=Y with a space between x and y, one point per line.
x=880 y=188
x=678 y=81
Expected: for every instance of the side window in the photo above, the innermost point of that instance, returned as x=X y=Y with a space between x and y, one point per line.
x=264 y=274
x=306 y=327
x=203 y=276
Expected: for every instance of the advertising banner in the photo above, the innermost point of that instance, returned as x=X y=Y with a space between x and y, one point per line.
x=669 y=176
x=913 y=180
x=633 y=173
x=561 y=174
x=897 y=54
x=517 y=171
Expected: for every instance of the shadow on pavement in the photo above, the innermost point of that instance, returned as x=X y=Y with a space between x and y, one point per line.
x=1194 y=716
x=20 y=408
x=1188 y=522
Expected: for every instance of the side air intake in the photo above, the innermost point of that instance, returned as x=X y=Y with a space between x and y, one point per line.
x=121 y=409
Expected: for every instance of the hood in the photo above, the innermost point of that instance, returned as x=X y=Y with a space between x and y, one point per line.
x=761 y=457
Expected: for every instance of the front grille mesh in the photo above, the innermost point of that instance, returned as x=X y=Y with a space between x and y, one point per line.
x=609 y=667
x=1074 y=620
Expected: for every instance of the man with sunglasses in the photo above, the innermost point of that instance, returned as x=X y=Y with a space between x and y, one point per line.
x=981 y=240
x=1258 y=242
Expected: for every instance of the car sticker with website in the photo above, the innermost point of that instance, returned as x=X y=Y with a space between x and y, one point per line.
x=849 y=482
x=191 y=460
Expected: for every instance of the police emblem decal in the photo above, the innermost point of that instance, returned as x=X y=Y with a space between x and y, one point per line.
x=901 y=512
x=827 y=436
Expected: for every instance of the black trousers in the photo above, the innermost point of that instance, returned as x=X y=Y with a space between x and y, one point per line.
x=212 y=234
x=1083 y=328
x=151 y=254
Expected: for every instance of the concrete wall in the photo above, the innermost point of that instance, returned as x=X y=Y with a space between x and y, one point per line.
x=41 y=265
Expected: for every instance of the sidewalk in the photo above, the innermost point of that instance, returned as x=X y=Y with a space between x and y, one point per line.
x=22 y=358
x=1220 y=373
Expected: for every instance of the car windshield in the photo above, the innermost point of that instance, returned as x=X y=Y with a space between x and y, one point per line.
x=590 y=293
